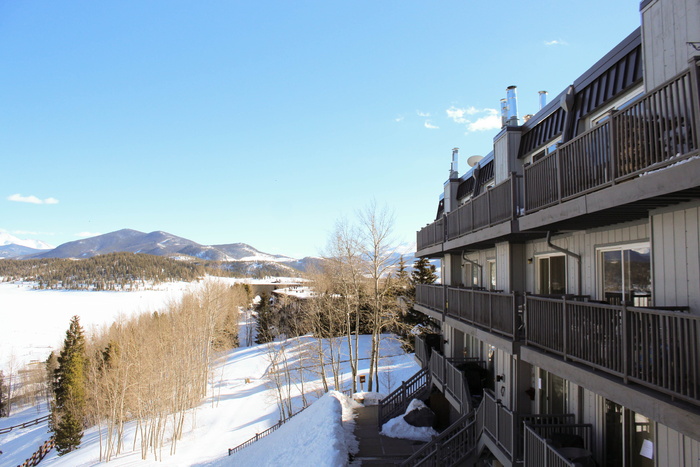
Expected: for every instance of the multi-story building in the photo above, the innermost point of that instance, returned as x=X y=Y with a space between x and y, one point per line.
x=569 y=303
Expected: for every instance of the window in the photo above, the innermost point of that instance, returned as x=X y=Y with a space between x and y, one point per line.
x=553 y=396
x=623 y=101
x=625 y=273
x=491 y=264
x=551 y=275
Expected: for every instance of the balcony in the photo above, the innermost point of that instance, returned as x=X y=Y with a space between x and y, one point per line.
x=431 y=235
x=495 y=206
x=657 y=131
x=653 y=347
x=495 y=312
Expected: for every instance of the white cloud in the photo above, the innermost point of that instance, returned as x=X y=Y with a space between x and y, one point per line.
x=486 y=119
x=423 y=114
x=490 y=121
x=458 y=115
x=399 y=119
x=31 y=199
x=87 y=234
x=430 y=126
x=555 y=42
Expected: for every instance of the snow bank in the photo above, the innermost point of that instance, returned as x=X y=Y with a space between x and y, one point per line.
x=398 y=428
x=314 y=437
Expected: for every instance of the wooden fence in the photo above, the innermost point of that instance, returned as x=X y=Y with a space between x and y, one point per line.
x=36 y=421
x=39 y=455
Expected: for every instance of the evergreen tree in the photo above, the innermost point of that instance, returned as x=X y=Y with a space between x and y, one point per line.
x=3 y=403
x=423 y=272
x=264 y=320
x=68 y=408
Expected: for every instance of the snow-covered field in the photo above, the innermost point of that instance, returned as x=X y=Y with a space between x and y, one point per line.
x=241 y=400
x=34 y=322
x=241 y=403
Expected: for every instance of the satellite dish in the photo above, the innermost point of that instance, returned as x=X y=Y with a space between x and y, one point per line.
x=473 y=160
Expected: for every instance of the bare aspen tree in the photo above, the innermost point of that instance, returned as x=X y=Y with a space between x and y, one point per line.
x=379 y=259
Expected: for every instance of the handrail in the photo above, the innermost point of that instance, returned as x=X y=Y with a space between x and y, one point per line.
x=454 y=444
x=36 y=421
x=396 y=403
x=539 y=452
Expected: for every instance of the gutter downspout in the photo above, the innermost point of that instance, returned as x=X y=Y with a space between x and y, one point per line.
x=567 y=253
x=474 y=263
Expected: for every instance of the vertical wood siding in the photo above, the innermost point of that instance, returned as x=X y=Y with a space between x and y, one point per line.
x=666 y=28
x=584 y=243
x=676 y=258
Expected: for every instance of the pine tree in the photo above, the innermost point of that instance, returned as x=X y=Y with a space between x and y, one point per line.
x=423 y=272
x=3 y=403
x=68 y=408
x=264 y=320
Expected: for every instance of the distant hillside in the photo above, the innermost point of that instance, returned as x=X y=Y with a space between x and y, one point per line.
x=14 y=251
x=114 y=271
x=157 y=243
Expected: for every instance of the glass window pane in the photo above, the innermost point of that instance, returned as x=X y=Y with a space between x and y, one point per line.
x=543 y=266
x=557 y=274
x=612 y=276
x=637 y=276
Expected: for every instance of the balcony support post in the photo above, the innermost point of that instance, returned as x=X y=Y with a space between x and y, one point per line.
x=694 y=66
x=557 y=159
x=625 y=343
x=612 y=141
x=565 y=327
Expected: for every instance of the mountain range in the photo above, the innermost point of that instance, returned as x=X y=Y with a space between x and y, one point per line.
x=157 y=243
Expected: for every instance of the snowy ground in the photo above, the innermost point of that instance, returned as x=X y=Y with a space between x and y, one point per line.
x=241 y=400
x=34 y=322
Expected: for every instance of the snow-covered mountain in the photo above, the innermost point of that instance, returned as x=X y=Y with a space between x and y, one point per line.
x=7 y=239
x=13 y=247
x=240 y=257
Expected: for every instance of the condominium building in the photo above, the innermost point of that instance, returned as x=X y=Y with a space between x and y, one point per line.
x=569 y=304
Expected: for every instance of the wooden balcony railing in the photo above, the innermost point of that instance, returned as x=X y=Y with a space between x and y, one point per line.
x=431 y=234
x=431 y=296
x=492 y=207
x=654 y=347
x=422 y=352
x=499 y=423
x=450 y=379
x=658 y=130
x=495 y=311
x=495 y=205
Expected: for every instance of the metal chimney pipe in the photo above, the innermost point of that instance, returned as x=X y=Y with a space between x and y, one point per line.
x=543 y=99
x=512 y=97
x=454 y=173
x=504 y=112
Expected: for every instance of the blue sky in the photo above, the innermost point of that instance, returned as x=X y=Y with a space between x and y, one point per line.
x=265 y=122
